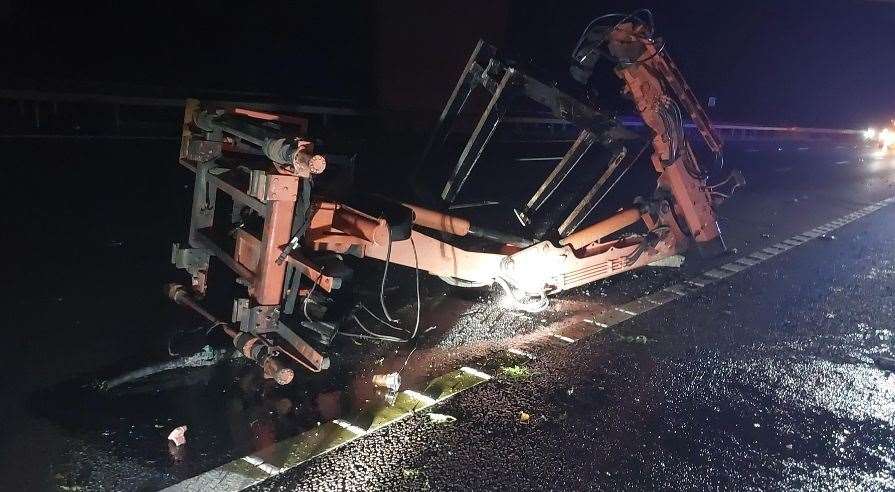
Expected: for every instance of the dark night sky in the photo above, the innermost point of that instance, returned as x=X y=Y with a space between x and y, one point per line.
x=811 y=63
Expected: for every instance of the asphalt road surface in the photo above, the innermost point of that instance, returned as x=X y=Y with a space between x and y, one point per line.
x=769 y=378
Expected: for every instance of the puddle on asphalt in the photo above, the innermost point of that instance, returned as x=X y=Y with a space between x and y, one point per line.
x=230 y=411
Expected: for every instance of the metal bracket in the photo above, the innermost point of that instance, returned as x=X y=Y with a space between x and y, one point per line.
x=265 y=320
x=194 y=261
x=273 y=187
x=203 y=150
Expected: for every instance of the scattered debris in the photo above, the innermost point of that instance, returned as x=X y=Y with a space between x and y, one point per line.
x=391 y=381
x=178 y=435
x=71 y=487
x=390 y=398
x=636 y=339
x=440 y=418
x=673 y=261
x=411 y=472
x=524 y=417
x=517 y=371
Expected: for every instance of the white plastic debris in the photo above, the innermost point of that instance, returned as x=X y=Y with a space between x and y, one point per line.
x=673 y=261
x=440 y=418
x=391 y=381
x=178 y=435
x=390 y=398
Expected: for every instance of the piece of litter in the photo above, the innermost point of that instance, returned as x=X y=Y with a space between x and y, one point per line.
x=391 y=381
x=178 y=435
x=638 y=339
x=390 y=398
x=440 y=418
x=673 y=261
x=830 y=315
x=524 y=417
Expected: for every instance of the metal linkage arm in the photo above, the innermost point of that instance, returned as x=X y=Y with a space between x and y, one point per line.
x=506 y=83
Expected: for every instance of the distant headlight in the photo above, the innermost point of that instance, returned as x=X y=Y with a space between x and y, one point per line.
x=869 y=134
x=886 y=138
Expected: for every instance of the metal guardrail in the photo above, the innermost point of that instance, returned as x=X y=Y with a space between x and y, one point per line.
x=74 y=97
x=629 y=121
x=728 y=131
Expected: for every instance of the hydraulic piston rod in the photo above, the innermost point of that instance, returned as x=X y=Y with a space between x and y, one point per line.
x=247 y=344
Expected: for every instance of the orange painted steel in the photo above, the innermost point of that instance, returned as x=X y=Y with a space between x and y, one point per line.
x=267 y=287
x=439 y=221
x=562 y=268
x=247 y=255
x=300 y=122
x=336 y=227
x=598 y=231
x=439 y=258
x=691 y=198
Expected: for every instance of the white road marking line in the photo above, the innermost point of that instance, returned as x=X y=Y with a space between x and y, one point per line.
x=621 y=310
x=734 y=267
x=760 y=256
x=425 y=400
x=563 y=338
x=222 y=479
x=520 y=353
x=265 y=467
x=349 y=427
x=475 y=372
x=718 y=274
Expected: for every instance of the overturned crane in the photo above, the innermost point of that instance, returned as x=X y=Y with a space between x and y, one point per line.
x=286 y=243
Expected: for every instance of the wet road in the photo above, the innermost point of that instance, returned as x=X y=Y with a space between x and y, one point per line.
x=761 y=380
